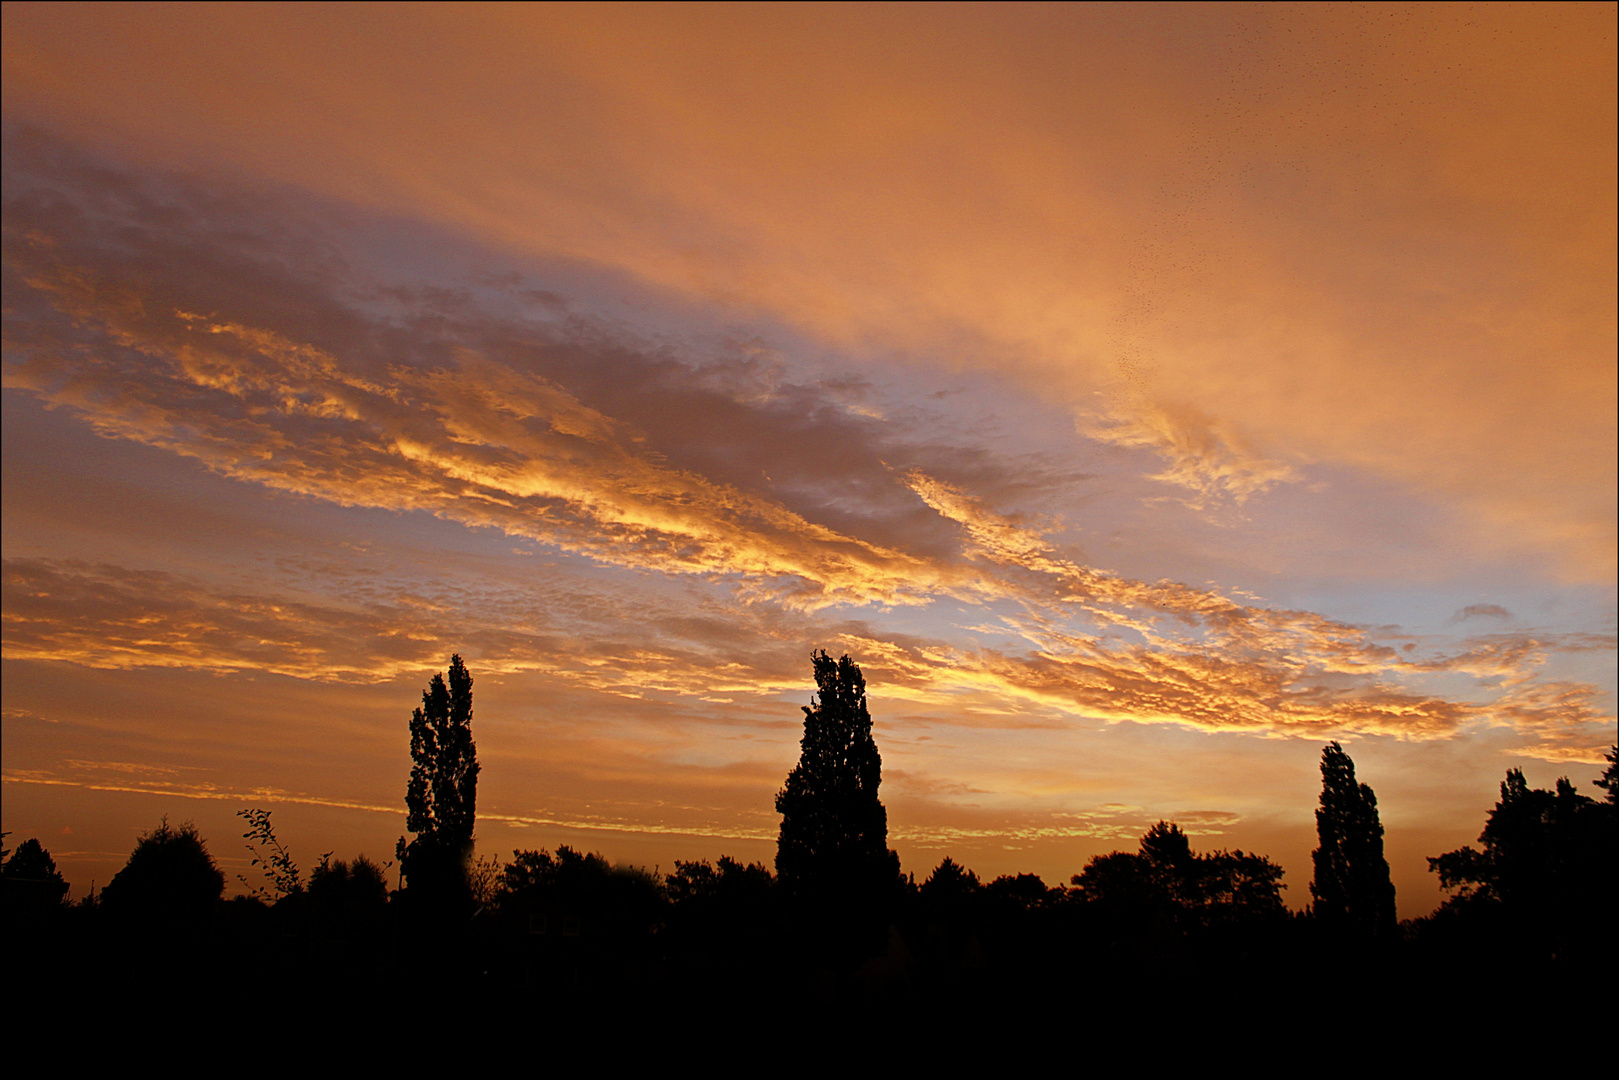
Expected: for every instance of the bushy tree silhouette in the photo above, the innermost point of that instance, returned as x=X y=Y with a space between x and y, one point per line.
x=834 y=830
x=360 y=883
x=952 y=894
x=1164 y=888
x=170 y=878
x=721 y=923
x=1546 y=874
x=1019 y=890
x=730 y=883
x=1352 y=889
x=582 y=893
x=441 y=797
x=1167 y=860
x=950 y=883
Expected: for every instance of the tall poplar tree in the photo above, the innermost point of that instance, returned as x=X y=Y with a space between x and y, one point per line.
x=1352 y=890
x=441 y=797
x=834 y=830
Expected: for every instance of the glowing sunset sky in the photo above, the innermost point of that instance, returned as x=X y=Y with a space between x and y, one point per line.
x=1142 y=395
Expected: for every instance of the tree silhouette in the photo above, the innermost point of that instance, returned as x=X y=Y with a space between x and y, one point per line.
x=1352 y=890
x=834 y=830
x=731 y=883
x=1170 y=867
x=722 y=924
x=31 y=879
x=1020 y=890
x=1546 y=873
x=1166 y=888
x=170 y=878
x=340 y=885
x=1610 y=776
x=441 y=797
x=950 y=884
x=577 y=894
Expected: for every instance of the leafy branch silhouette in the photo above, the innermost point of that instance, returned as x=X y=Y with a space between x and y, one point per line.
x=274 y=858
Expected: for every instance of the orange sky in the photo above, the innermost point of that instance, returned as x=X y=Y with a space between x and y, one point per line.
x=1143 y=395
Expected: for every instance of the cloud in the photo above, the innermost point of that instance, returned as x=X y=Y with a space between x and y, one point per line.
x=943 y=827
x=277 y=796
x=108 y=617
x=1208 y=457
x=1477 y=611
x=476 y=442
x=1202 y=690
x=1563 y=718
x=1313 y=262
x=159 y=313
x=105 y=617
x=211 y=792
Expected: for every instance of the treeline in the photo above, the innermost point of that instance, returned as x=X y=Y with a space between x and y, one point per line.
x=835 y=916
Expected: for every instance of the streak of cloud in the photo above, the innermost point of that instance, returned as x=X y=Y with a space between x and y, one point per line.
x=102 y=617
x=482 y=444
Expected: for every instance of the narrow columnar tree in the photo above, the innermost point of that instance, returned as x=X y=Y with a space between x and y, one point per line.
x=834 y=830
x=1352 y=890
x=441 y=797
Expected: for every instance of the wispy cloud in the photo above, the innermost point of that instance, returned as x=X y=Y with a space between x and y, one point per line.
x=1208 y=458
x=106 y=617
x=475 y=442
x=1481 y=611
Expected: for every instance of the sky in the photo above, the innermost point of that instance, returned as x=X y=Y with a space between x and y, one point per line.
x=1142 y=395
